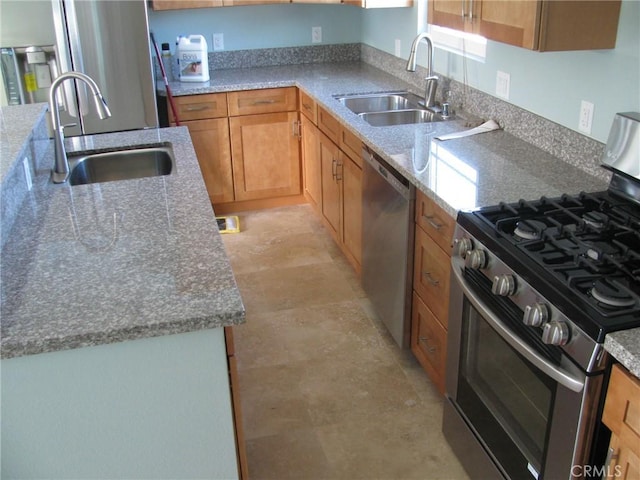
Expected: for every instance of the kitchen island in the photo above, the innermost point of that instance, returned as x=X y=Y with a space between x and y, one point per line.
x=113 y=362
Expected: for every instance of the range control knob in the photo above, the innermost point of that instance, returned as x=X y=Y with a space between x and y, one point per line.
x=555 y=333
x=475 y=259
x=461 y=246
x=503 y=285
x=535 y=315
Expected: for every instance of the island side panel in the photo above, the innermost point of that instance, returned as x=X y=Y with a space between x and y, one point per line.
x=151 y=408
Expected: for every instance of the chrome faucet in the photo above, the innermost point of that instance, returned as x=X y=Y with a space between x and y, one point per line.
x=432 y=80
x=60 y=171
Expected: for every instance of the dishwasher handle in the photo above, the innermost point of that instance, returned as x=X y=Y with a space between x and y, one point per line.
x=382 y=168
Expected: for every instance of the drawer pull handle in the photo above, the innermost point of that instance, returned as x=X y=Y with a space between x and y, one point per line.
x=425 y=340
x=197 y=108
x=432 y=222
x=612 y=455
x=264 y=102
x=308 y=107
x=430 y=279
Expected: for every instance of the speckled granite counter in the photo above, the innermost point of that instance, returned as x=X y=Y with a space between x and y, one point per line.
x=458 y=174
x=625 y=347
x=115 y=261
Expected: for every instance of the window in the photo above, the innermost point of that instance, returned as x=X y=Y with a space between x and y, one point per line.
x=466 y=44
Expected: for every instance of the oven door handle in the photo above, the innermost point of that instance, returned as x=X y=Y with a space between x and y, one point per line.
x=559 y=375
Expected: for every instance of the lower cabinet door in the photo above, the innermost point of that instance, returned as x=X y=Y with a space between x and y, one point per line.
x=210 y=140
x=266 y=156
x=331 y=184
x=429 y=342
x=352 y=209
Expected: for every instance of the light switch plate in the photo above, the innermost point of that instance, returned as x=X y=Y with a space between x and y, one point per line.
x=218 y=42
x=586 y=117
x=316 y=34
x=503 y=81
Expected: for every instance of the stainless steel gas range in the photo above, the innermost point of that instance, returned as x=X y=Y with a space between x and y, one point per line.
x=536 y=286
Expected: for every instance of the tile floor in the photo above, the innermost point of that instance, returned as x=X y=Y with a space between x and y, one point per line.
x=326 y=393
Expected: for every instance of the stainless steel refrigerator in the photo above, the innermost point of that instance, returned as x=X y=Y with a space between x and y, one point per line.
x=109 y=41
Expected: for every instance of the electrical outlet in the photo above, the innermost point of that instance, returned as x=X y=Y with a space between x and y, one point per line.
x=503 y=81
x=316 y=34
x=586 y=117
x=218 y=42
x=397 y=47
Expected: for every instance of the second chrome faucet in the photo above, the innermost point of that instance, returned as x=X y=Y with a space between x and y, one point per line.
x=432 y=80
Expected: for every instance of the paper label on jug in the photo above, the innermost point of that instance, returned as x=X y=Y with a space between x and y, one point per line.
x=190 y=64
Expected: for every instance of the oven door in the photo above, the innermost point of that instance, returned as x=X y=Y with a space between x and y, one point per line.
x=513 y=406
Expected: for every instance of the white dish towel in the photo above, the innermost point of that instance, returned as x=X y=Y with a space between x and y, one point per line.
x=485 y=127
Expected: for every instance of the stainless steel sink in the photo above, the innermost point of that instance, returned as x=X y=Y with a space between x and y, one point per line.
x=121 y=165
x=388 y=109
x=375 y=103
x=400 y=117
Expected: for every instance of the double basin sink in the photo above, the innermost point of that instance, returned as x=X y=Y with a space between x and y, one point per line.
x=121 y=165
x=389 y=109
x=378 y=109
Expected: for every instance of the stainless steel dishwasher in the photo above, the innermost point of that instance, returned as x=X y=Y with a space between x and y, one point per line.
x=387 y=244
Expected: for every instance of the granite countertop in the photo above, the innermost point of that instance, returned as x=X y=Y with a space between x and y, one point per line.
x=115 y=261
x=459 y=174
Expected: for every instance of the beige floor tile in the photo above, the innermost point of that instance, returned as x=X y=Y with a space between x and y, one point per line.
x=398 y=445
x=295 y=454
x=325 y=391
x=285 y=288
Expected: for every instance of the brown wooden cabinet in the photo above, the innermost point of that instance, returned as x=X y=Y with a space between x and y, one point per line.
x=543 y=25
x=379 y=3
x=333 y=176
x=180 y=4
x=241 y=451
x=247 y=144
x=266 y=156
x=432 y=269
x=206 y=118
x=622 y=415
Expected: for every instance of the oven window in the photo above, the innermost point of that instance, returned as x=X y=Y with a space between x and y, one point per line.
x=504 y=397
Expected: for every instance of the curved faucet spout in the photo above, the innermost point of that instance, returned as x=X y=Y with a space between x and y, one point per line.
x=432 y=80
x=61 y=167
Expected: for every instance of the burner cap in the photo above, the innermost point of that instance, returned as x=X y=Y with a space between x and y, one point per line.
x=596 y=219
x=529 y=229
x=605 y=291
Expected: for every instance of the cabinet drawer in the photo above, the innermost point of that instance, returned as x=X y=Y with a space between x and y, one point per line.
x=309 y=107
x=329 y=125
x=622 y=408
x=351 y=145
x=269 y=100
x=429 y=342
x=431 y=275
x=200 y=107
x=435 y=221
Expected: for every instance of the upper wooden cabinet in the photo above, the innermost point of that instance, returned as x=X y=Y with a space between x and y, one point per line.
x=178 y=4
x=543 y=25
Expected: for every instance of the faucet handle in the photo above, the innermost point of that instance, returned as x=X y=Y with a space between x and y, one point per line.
x=445 y=110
